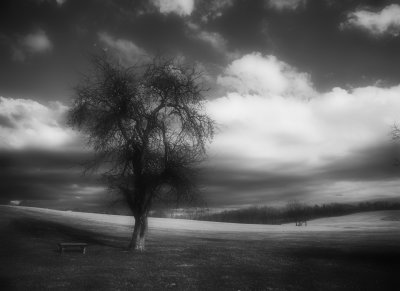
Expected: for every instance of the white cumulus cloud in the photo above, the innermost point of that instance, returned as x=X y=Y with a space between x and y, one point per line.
x=267 y=128
x=385 y=21
x=266 y=76
x=25 y=123
x=262 y=120
x=180 y=7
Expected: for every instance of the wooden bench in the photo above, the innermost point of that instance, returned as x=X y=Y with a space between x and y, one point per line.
x=72 y=246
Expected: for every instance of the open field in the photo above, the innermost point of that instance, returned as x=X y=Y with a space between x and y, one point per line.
x=354 y=252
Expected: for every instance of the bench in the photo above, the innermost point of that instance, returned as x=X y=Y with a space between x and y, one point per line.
x=72 y=246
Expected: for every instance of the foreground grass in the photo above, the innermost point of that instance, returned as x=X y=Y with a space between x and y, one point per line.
x=320 y=260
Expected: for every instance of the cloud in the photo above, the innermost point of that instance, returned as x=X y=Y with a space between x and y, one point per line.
x=26 y=123
x=180 y=7
x=126 y=51
x=268 y=129
x=40 y=158
x=212 y=9
x=256 y=74
x=31 y=44
x=386 y=21
x=349 y=180
x=285 y=4
x=278 y=139
x=281 y=129
x=37 y=42
x=365 y=163
x=214 y=39
x=47 y=175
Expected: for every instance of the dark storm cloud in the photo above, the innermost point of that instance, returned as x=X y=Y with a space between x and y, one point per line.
x=43 y=175
x=235 y=185
x=248 y=180
x=374 y=163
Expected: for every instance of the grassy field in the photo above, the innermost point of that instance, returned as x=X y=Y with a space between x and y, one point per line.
x=354 y=252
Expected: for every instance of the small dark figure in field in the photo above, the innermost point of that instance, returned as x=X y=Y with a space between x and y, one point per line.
x=301 y=222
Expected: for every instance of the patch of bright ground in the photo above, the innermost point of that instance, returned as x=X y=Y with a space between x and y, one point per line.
x=376 y=220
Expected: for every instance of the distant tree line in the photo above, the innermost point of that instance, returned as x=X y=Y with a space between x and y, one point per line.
x=292 y=212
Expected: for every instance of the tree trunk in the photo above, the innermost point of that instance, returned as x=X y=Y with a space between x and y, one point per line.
x=140 y=209
x=142 y=234
x=139 y=233
x=134 y=238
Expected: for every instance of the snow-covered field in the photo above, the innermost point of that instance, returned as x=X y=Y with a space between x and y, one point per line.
x=366 y=221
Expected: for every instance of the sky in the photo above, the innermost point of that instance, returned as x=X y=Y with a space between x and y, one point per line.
x=304 y=94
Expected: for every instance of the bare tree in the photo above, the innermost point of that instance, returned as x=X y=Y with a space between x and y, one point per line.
x=148 y=128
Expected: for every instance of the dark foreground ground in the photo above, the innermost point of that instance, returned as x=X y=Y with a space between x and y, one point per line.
x=320 y=260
